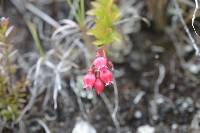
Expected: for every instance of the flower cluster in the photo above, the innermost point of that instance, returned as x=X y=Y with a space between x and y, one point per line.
x=99 y=75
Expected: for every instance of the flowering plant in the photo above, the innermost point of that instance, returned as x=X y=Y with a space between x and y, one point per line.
x=100 y=74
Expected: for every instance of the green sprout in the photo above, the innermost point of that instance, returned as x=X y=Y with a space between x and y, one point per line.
x=106 y=14
x=12 y=91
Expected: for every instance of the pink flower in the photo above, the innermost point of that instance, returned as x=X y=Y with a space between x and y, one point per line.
x=106 y=76
x=88 y=80
x=99 y=86
x=100 y=62
x=110 y=65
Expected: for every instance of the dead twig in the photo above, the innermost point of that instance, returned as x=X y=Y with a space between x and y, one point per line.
x=194 y=16
x=178 y=10
x=156 y=91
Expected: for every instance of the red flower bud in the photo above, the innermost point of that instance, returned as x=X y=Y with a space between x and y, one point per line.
x=88 y=80
x=101 y=52
x=100 y=62
x=99 y=86
x=106 y=76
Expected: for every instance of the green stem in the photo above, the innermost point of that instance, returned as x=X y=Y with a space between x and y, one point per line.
x=82 y=8
x=34 y=34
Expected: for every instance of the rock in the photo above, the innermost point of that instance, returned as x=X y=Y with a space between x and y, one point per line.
x=146 y=129
x=83 y=127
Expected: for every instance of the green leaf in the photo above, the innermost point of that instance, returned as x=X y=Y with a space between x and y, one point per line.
x=106 y=15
